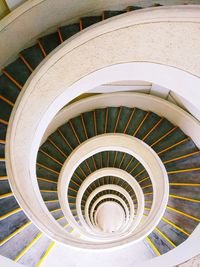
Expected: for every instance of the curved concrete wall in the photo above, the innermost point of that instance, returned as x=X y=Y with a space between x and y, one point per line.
x=30 y=17
x=37 y=16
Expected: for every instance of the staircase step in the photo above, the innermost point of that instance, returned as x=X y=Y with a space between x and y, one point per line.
x=34 y=254
x=164 y=127
x=176 y=236
x=160 y=243
x=187 y=207
x=4 y=186
x=49 y=196
x=7 y=205
x=3 y=171
x=8 y=89
x=33 y=55
x=78 y=127
x=184 y=177
x=183 y=222
x=69 y=30
x=47 y=185
x=172 y=138
x=49 y=162
x=18 y=71
x=192 y=192
x=88 y=21
x=111 y=13
x=5 y=110
x=12 y=223
x=133 y=8
x=50 y=42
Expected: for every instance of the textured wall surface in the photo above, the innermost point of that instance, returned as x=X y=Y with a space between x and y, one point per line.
x=194 y=262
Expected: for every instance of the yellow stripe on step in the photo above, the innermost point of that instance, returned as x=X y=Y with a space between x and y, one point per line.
x=55 y=210
x=185 y=198
x=184 y=214
x=32 y=242
x=153 y=246
x=149 y=193
x=183 y=184
x=2 y=178
x=72 y=231
x=146 y=186
x=165 y=237
x=74 y=190
x=48 y=191
x=60 y=218
x=47 y=168
x=185 y=170
x=14 y=233
x=6 y=195
x=182 y=157
x=46 y=254
x=174 y=145
x=175 y=226
x=9 y=214
x=7 y=101
x=146 y=178
x=51 y=201
x=46 y=180
x=21 y=254
x=140 y=173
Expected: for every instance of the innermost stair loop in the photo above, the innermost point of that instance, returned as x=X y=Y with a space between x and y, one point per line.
x=110 y=217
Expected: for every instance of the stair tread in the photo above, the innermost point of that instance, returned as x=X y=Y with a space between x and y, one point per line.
x=33 y=55
x=69 y=30
x=111 y=13
x=90 y=20
x=19 y=71
x=50 y=42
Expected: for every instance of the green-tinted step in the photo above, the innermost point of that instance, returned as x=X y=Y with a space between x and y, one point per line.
x=18 y=71
x=111 y=13
x=33 y=55
x=50 y=42
x=69 y=30
x=132 y=8
x=88 y=21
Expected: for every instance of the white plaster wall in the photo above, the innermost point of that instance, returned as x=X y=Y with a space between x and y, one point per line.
x=135 y=255
x=194 y=262
x=62 y=257
x=5 y=262
x=185 y=104
x=110 y=216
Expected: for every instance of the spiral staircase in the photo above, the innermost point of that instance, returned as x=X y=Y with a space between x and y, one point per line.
x=109 y=176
